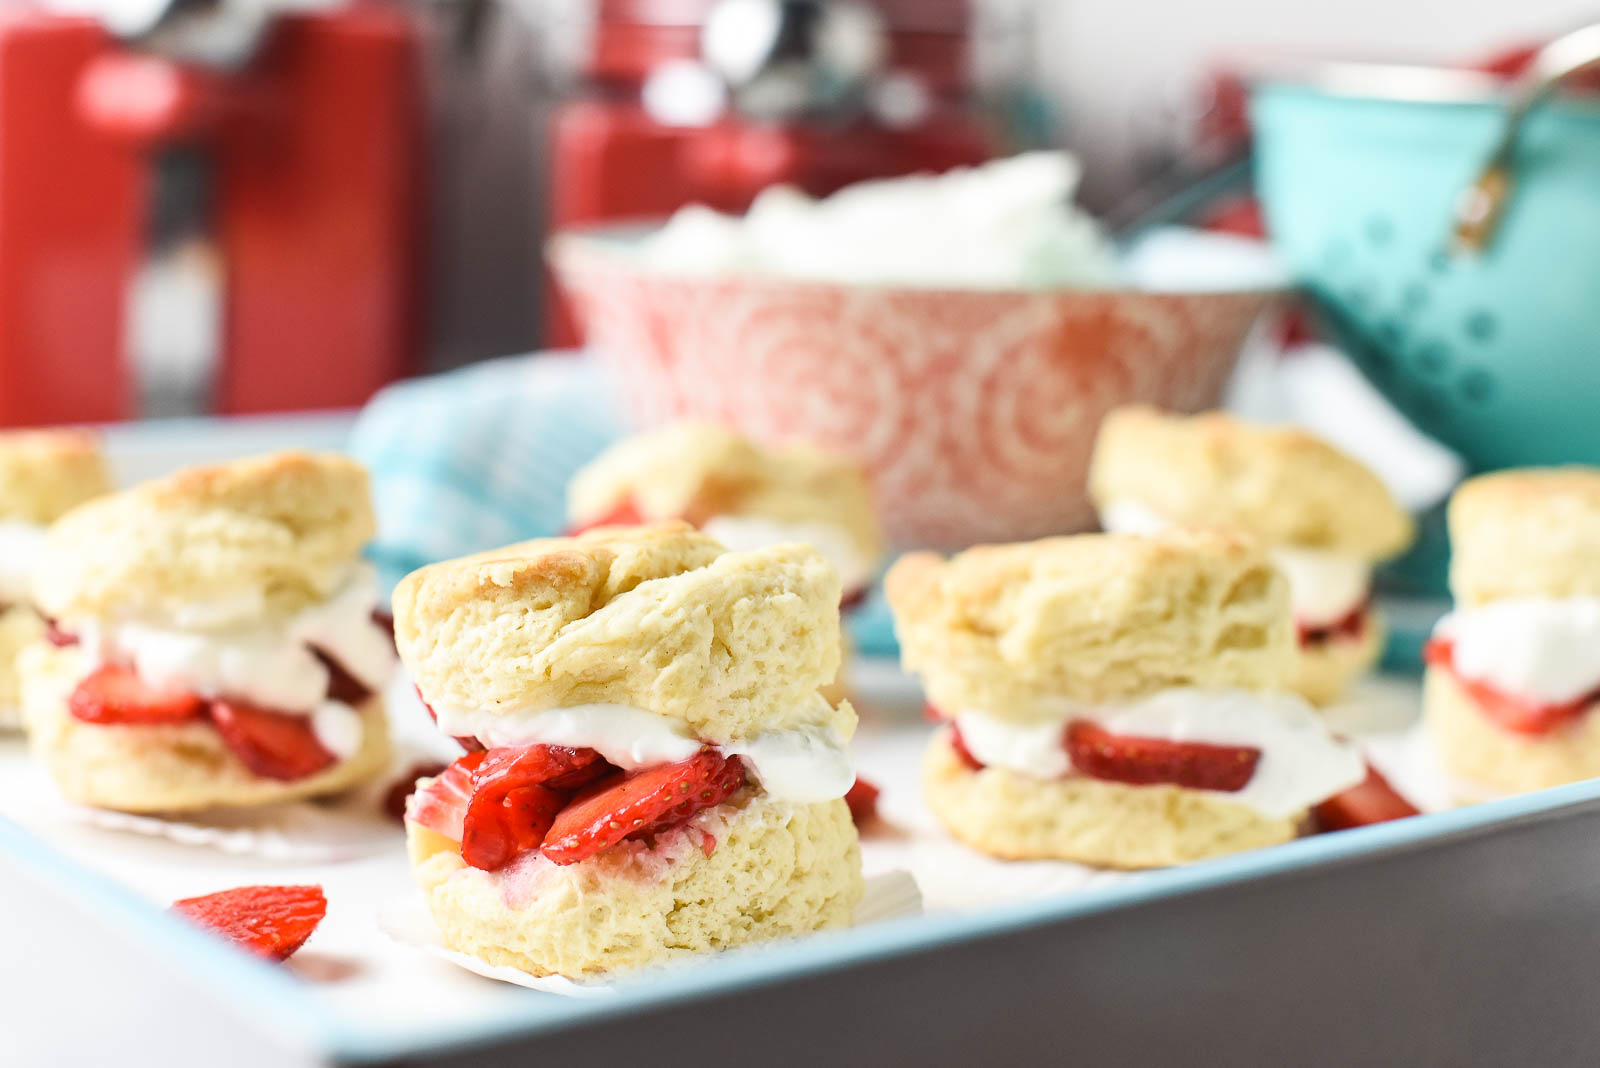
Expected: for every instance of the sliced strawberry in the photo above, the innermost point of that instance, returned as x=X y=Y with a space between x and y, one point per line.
x=274 y=745
x=342 y=686
x=441 y=806
x=1520 y=715
x=397 y=797
x=850 y=600
x=513 y=802
x=470 y=744
x=1349 y=627
x=644 y=802
x=932 y=714
x=959 y=744
x=58 y=637
x=863 y=801
x=1371 y=801
x=113 y=694
x=384 y=621
x=1100 y=754
x=272 y=921
x=625 y=514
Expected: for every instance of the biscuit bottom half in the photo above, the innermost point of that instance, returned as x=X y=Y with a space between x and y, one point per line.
x=1473 y=748
x=164 y=768
x=20 y=626
x=1323 y=671
x=775 y=869
x=1091 y=821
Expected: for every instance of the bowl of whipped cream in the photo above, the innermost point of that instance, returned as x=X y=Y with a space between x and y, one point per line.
x=961 y=335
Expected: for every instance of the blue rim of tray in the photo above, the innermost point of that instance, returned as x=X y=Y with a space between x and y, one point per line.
x=301 y=1017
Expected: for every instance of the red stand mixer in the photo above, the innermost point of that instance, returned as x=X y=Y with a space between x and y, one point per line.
x=712 y=101
x=312 y=132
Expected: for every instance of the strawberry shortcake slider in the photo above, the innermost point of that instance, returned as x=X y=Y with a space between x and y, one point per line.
x=43 y=473
x=745 y=495
x=1110 y=699
x=652 y=771
x=1324 y=517
x=1512 y=693
x=214 y=641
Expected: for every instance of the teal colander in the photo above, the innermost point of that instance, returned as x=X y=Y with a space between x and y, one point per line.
x=1495 y=352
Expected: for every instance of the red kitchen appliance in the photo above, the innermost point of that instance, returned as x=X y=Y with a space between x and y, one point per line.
x=618 y=152
x=314 y=146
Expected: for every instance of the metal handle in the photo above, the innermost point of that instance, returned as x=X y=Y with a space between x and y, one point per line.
x=1479 y=207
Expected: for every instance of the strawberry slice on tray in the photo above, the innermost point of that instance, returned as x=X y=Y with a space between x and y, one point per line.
x=641 y=803
x=1098 y=753
x=271 y=921
x=1372 y=800
x=113 y=694
x=274 y=745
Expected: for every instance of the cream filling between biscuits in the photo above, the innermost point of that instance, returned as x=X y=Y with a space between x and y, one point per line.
x=1301 y=762
x=21 y=545
x=807 y=764
x=1324 y=587
x=271 y=665
x=745 y=533
x=1546 y=648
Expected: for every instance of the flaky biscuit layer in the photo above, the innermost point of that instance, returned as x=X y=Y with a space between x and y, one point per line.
x=658 y=617
x=1532 y=532
x=1009 y=629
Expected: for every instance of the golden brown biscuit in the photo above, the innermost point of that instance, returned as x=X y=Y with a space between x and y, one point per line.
x=697 y=471
x=777 y=870
x=1280 y=484
x=249 y=539
x=1091 y=821
x=163 y=769
x=43 y=473
x=658 y=617
x=1474 y=749
x=1533 y=532
x=1011 y=629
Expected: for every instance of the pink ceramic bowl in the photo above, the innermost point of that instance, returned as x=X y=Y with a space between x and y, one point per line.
x=974 y=411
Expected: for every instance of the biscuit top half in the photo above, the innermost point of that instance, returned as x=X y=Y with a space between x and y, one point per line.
x=658 y=617
x=1279 y=484
x=211 y=547
x=1533 y=532
x=1012 y=630
x=696 y=471
x=44 y=473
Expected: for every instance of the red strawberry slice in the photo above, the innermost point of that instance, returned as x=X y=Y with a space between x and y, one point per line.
x=1520 y=715
x=959 y=744
x=58 y=637
x=932 y=714
x=272 y=921
x=1371 y=801
x=625 y=514
x=642 y=803
x=113 y=694
x=1100 y=754
x=441 y=806
x=514 y=799
x=863 y=801
x=342 y=686
x=398 y=796
x=1349 y=627
x=274 y=745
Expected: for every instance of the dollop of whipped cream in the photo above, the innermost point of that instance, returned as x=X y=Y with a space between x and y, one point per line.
x=270 y=664
x=1007 y=224
x=1301 y=762
x=807 y=764
x=1324 y=587
x=21 y=544
x=744 y=533
x=1540 y=647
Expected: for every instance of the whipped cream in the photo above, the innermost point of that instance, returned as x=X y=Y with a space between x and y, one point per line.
x=807 y=764
x=743 y=533
x=21 y=545
x=1539 y=647
x=269 y=664
x=1324 y=587
x=1301 y=762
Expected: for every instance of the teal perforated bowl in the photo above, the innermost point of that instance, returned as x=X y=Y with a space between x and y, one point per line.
x=1496 y=355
